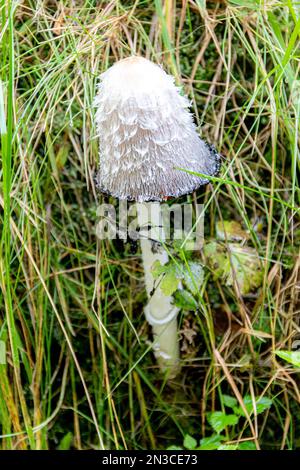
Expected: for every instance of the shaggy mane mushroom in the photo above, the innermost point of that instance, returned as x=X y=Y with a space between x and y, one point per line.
x=146 y=134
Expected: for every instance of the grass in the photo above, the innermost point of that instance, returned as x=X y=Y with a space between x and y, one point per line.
x=77 y=375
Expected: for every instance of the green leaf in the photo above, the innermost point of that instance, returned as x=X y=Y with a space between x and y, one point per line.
x=293 y=357
x=62 y=156
x=212 y=442
x=185 y=300
x=170 y=282
x=235 y=263
x=262 y=404
x=247 y=445
x=231 y=402
x=228 y=447
x=189 y=442
x=201 y=4
x=157 y=269
x=66 y=442
x=219 y=420
x=175 y=448
x=230 y=230
x=193 y=276
x=170 y=276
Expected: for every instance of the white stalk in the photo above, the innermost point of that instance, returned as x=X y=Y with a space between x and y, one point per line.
x=160 y=311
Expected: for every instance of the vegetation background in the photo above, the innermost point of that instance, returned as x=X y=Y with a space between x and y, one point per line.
x=80 y=372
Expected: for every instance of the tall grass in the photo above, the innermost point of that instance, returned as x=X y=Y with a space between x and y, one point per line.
x=78 y=375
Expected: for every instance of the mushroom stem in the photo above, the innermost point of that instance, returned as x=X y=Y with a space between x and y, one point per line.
x=159 y=312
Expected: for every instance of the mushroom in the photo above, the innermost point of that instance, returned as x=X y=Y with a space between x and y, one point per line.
x=147 y=136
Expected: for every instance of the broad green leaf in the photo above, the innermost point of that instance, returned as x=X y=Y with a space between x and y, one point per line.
x=185 y=300
x=212 y=442
x=217 y=259
x=246 y=268
x=173 y=273
x=170 y=282
x=235 y=263
x=247 y=445
x=170 y=276
x=228 y=447
x=262 y=404
x=193 y=276
x=230 y=230
x=231 y=402
x=293 y=357
x=219 y=420
x=157 y=269
x=189 y=442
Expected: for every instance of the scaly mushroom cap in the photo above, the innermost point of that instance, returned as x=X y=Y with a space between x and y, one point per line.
x=146 y=133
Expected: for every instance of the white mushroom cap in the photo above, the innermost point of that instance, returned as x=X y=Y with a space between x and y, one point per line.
x=146 y=133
